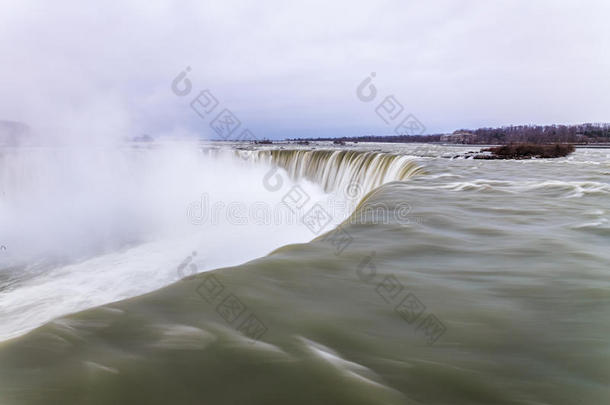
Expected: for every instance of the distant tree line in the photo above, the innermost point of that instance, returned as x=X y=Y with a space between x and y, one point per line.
x=377 y=138
x=584 y=133
x=536 y=134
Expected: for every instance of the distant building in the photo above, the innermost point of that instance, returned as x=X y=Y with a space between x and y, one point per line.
x=458 y=137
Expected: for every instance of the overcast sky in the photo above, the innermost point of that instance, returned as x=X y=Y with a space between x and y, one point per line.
x=288 y=69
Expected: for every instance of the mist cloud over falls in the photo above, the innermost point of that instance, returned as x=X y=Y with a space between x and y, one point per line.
x=74 y=200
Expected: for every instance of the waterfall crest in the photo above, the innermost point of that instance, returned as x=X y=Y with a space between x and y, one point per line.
x=339 y=169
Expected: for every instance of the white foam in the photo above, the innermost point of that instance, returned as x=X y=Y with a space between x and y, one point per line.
x=151 y=192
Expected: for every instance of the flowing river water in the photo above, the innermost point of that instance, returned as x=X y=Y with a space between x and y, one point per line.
x=285 y=274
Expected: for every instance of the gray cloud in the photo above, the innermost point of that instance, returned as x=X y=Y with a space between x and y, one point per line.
x=291 y=68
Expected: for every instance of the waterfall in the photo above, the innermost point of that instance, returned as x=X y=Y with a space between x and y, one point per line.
x=338 y=169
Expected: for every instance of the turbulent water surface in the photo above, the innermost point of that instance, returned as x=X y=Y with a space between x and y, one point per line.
x=374 y=273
